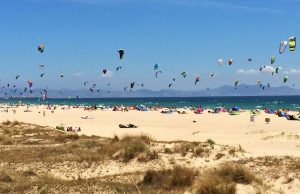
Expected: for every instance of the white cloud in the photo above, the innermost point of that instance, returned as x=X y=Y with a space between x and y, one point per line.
x=266 y=69
x=292 y=71
x=247 y=72
x=108 y=74
x=78 y=74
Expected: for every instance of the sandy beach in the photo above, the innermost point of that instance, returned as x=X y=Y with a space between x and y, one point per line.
x=183 y=153
x=279 y=137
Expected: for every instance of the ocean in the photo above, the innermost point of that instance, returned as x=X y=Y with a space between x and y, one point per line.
x=247 y=102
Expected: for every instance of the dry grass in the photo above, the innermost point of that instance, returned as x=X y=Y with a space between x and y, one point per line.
x=83 y=149
x=224 y=179
x=177 y=177
x=6 y=140
x=25 y=182
x=65 y=137
x=219 y=156
x=185 y=147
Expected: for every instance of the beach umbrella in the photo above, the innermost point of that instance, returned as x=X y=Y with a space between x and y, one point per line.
x=282 y=46
x=121 y=53
x=41 y=48
x=273 y=58
x=292 y=43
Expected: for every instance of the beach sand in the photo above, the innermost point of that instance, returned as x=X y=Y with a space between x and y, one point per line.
x=280 y=137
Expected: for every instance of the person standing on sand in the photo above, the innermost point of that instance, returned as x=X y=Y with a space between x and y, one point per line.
x=44 y=114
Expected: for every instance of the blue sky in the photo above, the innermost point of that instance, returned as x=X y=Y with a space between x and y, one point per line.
x=82 y=38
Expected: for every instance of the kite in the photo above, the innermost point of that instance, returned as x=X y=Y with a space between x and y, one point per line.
x=282 y=46
x=183 y=74
x=236 y=82
x=261 y=68
x=292 y=43
x=157 y=73
x=197 y=79
x=220 y=61
x=41 y=48
x=132 y=85
x=118 y=68
x=29 y=83
x=230 y=61
x=155 y=67
x=273 y=58
x=285 y=79
x=277 y=70
x=121 y=53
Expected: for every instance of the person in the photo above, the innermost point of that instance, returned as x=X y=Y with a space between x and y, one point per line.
x=44 y=114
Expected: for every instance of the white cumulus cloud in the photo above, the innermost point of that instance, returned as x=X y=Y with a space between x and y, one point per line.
x=246 y=72
x=292 y=71
x=108 y=74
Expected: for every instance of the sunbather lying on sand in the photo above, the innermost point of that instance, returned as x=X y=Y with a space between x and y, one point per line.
x=127 y=126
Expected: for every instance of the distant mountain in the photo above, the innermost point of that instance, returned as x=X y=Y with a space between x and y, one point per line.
x=241 y=90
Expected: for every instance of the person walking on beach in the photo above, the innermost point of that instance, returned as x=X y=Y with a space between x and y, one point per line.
x=44 y=114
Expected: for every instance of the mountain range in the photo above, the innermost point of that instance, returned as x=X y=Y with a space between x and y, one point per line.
x=241 y=90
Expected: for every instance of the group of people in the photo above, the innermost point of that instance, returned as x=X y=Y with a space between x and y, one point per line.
x=75 y=129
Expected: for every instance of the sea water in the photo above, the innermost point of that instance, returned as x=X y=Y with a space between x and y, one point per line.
x=249 y=102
